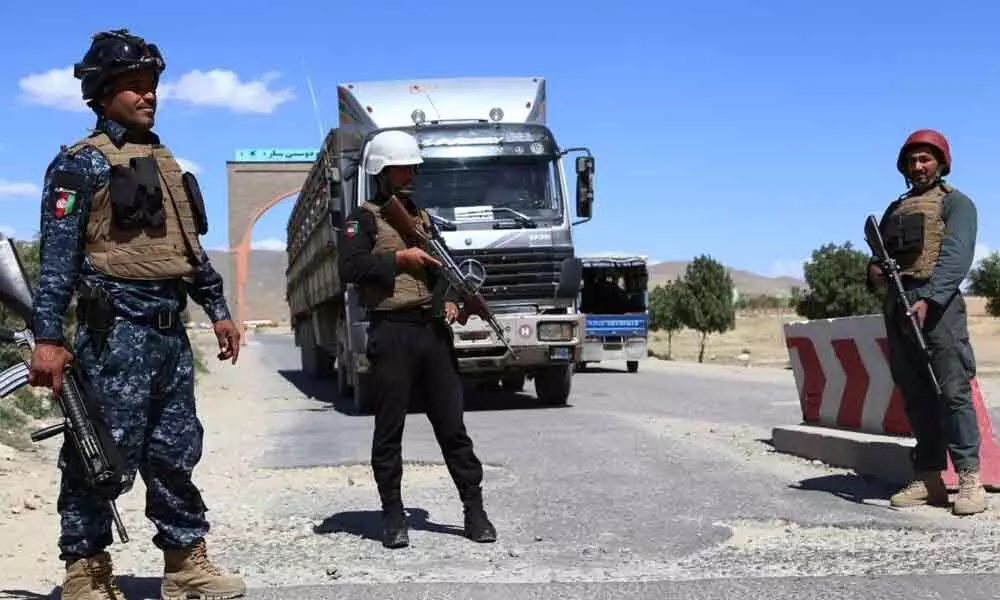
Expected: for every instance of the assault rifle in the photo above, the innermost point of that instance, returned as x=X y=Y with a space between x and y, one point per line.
x=81 y=418
x=465 y=278
x=890 y=269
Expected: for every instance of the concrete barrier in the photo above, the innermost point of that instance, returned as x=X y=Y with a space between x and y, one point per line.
x=852 y=412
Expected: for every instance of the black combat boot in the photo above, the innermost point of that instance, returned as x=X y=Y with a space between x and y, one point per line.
x=395 y=533
x=477 y=525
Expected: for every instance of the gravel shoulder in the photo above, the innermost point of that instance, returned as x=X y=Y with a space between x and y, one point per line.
x=291 y=496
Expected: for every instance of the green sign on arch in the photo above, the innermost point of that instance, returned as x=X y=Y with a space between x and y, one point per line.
x=277 y=155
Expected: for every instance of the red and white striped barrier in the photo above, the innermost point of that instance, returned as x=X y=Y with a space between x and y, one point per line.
x=841 y=369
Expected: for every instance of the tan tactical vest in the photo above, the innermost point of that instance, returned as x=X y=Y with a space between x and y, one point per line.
x=164 y=252
x=919 y=265
x=408 y=290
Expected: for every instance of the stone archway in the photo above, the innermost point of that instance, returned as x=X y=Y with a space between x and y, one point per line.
x=257 y=180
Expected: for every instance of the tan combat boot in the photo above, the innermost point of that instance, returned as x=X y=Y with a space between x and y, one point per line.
x=91 y=579
x=189 y=574
x=927 y=488
x=971 y=498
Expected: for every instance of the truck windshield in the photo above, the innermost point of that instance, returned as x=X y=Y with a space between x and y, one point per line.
x=492 y=191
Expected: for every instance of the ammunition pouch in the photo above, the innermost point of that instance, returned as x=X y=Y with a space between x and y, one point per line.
x=136 y=195
x=193 y=191
x=904 y=238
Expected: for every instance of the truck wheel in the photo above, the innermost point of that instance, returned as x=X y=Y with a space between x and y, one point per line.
x=513 y=382
x=632 y=366
x=553 y=383
x=343 y=376
x=363 y=395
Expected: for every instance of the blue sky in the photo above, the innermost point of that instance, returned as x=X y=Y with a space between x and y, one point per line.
x=754 y=132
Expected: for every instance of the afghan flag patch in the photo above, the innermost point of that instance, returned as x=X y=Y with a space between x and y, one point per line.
x=65 y=202
x=351 y=230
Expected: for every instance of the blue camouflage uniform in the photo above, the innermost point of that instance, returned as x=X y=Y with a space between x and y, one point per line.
x=143 y=375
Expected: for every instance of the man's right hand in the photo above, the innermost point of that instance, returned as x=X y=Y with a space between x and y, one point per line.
x=876 y=276
x=415 y=258
x=48 y=362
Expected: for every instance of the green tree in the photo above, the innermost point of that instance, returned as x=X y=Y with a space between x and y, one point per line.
x=984 y=280
x=708 y=305
x=666 y=310
x=836 y=277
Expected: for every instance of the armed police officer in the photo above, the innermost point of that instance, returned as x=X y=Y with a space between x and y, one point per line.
x=410 y=307
x=119 y=226
x=931 y=231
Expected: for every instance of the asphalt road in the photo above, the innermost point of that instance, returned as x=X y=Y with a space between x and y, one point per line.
x=657 y=484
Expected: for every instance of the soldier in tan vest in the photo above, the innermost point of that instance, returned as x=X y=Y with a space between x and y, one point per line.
x=409 y=339
x=931 y=231
x=119 y=229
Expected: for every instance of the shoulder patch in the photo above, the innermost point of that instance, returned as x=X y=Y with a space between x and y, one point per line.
x=65 y=202
x=351 y=229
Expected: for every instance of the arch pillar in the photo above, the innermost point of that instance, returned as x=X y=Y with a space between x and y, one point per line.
x=242 y=255
x=256 y=182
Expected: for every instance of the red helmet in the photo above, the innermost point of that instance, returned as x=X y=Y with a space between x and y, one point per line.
x=932 y=138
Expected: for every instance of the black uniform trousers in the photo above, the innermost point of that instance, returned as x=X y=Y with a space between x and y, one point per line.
x=411 y=352
x=945 y=424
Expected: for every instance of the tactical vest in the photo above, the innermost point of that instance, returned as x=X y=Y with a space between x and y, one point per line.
x=914 y=229
x=408 y=290
x=164 y=252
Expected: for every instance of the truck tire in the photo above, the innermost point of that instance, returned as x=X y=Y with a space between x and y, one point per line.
x=343 y=375
x=553 y=384
x=632 y=366
x=513 y=382
x=363 y=395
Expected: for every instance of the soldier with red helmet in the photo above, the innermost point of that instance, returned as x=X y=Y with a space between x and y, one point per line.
x=931 y=232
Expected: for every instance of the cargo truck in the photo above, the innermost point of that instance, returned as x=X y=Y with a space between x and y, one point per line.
x=495 y=184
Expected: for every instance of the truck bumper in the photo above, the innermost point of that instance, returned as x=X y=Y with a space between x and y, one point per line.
x=628 y=349
x=538 y=340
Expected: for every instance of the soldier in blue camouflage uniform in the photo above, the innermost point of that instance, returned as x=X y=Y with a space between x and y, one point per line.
x=119 y=227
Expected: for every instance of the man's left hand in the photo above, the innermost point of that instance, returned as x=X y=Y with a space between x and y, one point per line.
x=450 y=312
x=229 y=339
x=920 y=310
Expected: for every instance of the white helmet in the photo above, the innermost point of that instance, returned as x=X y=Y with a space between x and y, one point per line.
x=392 y=148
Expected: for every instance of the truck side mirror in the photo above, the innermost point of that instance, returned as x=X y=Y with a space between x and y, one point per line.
x=584 y=186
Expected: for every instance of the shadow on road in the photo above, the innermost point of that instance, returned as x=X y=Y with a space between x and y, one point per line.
x=855 y=488
x=476 y=398
x=367 y=524
x=131 y=586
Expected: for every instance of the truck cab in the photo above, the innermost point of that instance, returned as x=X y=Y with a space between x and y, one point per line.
x=614 y=299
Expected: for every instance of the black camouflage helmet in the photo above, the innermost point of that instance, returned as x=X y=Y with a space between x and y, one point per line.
x=112 y=53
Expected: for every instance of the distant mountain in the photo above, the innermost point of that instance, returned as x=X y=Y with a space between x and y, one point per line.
x=265 y=291
x=746 y=282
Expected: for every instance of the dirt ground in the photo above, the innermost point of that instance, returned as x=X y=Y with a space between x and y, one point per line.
x=761 y=335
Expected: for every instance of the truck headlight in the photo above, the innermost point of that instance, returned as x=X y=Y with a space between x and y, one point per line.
x=555 y=332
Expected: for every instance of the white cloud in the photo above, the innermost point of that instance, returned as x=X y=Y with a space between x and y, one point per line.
x=217 y=88
x=189 y=165
x=55 y=88
x=268 y=244
x=8 y=231
x=982 y=251
x=223 y=89
x=18 y=189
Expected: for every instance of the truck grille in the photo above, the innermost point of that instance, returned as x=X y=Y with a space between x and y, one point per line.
x=518 y=274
